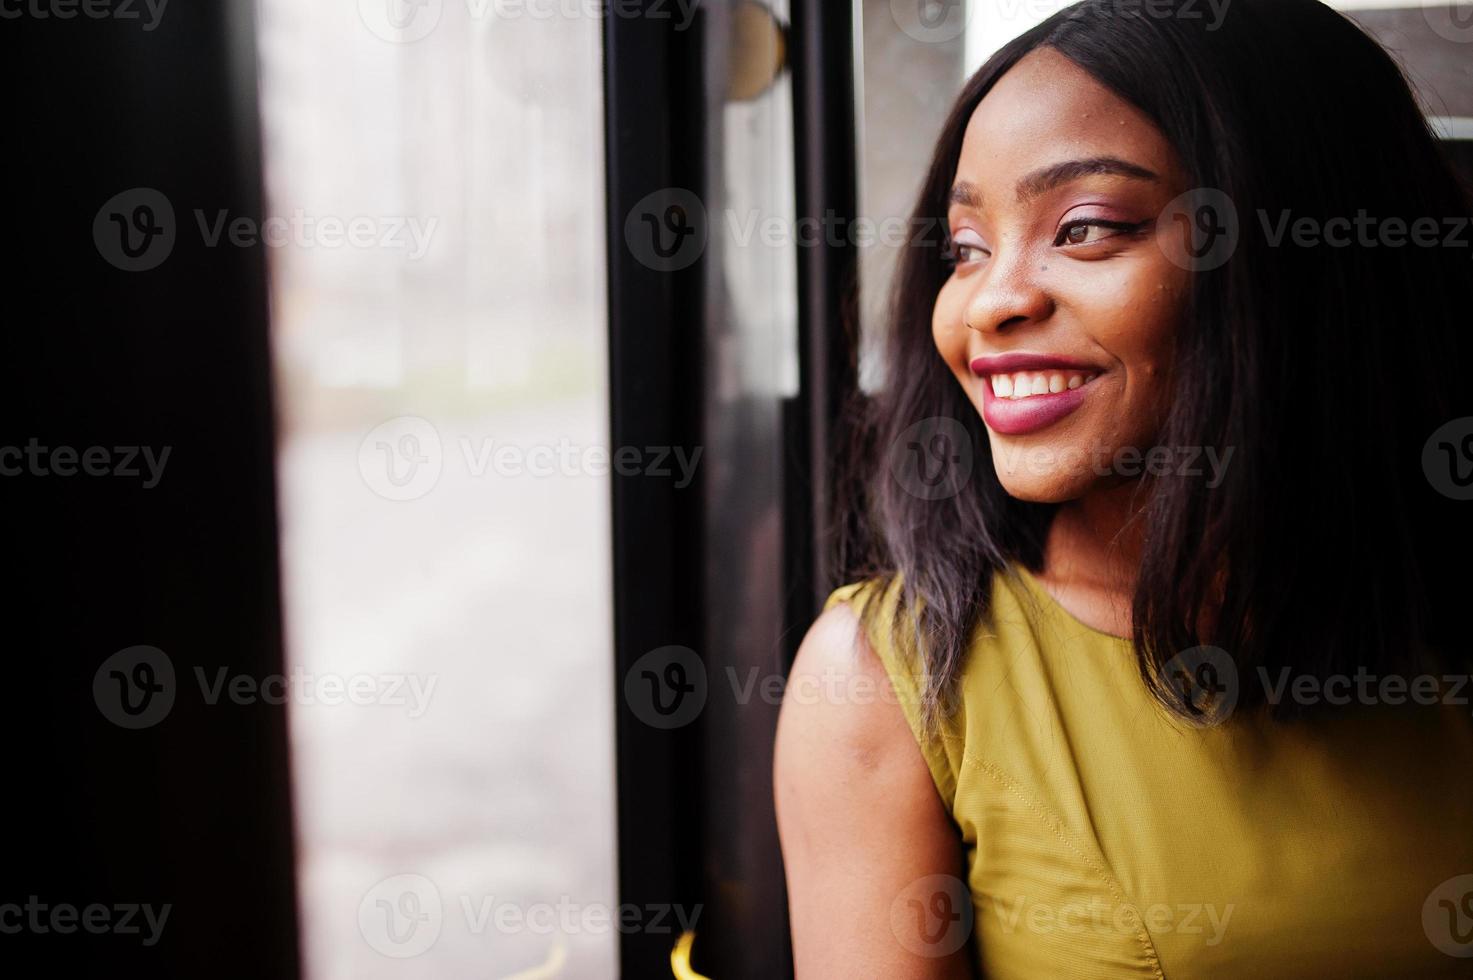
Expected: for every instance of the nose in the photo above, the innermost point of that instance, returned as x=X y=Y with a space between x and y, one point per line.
x=1008 y=294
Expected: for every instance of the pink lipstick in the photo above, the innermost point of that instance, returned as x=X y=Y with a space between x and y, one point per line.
x=1021 y=416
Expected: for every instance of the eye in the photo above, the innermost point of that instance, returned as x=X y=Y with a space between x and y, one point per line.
x=965 y=246
x=1089 y=231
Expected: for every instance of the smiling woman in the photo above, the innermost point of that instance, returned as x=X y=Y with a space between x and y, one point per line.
x=1095 y=763
x=1074 y=251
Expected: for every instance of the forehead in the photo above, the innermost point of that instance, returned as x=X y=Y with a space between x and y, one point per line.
x=1047 y=109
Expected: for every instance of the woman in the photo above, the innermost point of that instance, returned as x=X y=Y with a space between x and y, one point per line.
x=1149 y=539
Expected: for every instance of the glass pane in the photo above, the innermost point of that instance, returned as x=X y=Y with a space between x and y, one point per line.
x=440 y=357
x=752 y=364
x=913 y=59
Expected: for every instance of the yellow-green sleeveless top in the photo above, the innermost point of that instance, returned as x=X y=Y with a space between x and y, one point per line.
x=1105 y=839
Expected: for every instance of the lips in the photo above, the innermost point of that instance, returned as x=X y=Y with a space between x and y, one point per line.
x=1024 y=393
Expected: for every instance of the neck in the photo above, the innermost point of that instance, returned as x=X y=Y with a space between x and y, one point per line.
x=1094 y=546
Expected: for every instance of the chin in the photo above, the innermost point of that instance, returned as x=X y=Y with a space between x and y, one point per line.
x=1043 y=487
x=1042 y=474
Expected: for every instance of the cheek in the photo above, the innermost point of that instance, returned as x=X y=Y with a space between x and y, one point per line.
x=1136 y=316
x=948 y=332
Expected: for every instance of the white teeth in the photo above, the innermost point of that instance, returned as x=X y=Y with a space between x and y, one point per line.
x=1026 y=385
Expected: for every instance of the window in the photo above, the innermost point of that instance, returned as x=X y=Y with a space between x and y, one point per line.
x=439 y=334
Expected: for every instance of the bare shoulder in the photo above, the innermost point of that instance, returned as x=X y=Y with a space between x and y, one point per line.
x=843 y=741
x=839 y=700
x=859 y=817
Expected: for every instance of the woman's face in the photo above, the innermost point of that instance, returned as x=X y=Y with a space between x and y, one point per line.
x=1059 y=317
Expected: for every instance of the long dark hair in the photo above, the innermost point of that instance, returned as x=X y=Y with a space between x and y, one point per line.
x=1325 y=369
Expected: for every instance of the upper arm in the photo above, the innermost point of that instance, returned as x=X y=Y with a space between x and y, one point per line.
x=861 y=823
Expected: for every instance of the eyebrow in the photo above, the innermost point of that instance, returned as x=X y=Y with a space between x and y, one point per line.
x=1047 y=178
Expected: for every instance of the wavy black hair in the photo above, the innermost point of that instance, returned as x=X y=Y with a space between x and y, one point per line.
x=1325 y=548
